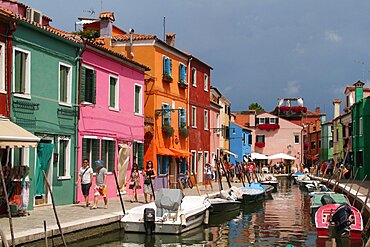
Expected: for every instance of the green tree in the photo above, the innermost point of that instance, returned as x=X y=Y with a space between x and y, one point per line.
x=257 y=107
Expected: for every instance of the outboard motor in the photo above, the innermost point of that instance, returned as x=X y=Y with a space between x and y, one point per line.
x=327 y=199
x=149 y=220
x=341 y=219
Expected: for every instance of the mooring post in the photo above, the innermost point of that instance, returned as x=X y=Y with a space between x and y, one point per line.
x=358 y=189
x=54 y=209
x=46 y=235
x=196 y=183
x=353 y=181
x=119 y=192
x=337 y=182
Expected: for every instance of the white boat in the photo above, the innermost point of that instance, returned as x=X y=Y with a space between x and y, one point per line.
x=171 y=213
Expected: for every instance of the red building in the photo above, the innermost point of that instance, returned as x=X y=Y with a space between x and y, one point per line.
x=199 y=112
x=6 y=30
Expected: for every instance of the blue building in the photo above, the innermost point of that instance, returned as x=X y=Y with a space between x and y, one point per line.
x=240 y=141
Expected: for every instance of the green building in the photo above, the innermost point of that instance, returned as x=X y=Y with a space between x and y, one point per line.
x=326 y=151
x=361 y=131
x=44 y=101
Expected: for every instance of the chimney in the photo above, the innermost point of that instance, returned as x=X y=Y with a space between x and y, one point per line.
x=323 y=119
x=336 y=103
x=252 y=118
x=359 y=91
x=317 y=110
x=170 y=39
x=106 y=24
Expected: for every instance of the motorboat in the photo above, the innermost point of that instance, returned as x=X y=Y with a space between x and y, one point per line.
x=304 y=179
x=269 y=189
x=339 y=220
x=251 y=193
x=224 y=203
x=171 y=213
x=317 y=187
x=294 y=176
x=270 y=180
x=320 y=199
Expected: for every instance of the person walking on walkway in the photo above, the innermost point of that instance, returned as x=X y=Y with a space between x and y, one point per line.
x=101 y=184
x=134 y=182
x=85 y=176
x=208 y=177
x=149 y=176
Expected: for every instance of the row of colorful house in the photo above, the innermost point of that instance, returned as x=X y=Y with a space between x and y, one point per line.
x=121 y=97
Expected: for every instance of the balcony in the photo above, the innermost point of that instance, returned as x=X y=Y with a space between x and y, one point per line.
x=167 y=129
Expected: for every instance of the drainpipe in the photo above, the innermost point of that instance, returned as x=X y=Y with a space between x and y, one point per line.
x=8 y=69
x=188 y=104
x=131 y=31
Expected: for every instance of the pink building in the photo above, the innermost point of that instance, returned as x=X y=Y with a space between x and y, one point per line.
x=215 y=126
x=111 y=113
x=274 y=135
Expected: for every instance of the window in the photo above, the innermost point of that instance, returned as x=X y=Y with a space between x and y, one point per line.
x=273 y=120
x=64 y=158
x=113 y=92
x=182 y=166
x=260 y=120
x=91 y=150
x=194 y=117
x=182 y=73
x=217 y=120
x=319 y=143
x=167 y=66
x=313 y=144
x=163 y=163
x=138 y=99
x=206 y=157
x=138 y=154
x=182 y=118
x=2 y=67
x=108 y=153
x=205 y=82
x=260 y=138
x=194 y=77
x=206 y=119
x=166 y=114
x=296 y=139
x=250 y=139
x=330 y=143
x=88 y=85
x=244 y=138
x=193 y=162
x=21 y=73
x=337 y=135
x=65 y=83
x=360 y=127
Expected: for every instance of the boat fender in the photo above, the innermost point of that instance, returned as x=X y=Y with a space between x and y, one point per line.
x=183 y=221
x=206 y=217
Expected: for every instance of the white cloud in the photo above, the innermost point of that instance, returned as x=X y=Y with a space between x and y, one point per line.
x=333 y=36
x=292 y=87
x=228 y=89
x=299 y=49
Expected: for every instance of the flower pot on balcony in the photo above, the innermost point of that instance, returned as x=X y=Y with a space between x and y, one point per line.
x=268 y=127
x=167 y=78
x=183 y=84
x=260 y=144
x=168 y=130
x=184 y=132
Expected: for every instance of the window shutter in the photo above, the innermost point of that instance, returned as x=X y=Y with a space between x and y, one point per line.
x=165 y=164
x=17 y=72
x=183 y=73
x=141 y=155
x=111 y=155
x=170 y=63
x=166 y=66
x=266 y=120
x=93 y=87
x=104 y=151
x=277 y=120
x=183 y=116
x=95 y=152
x=163 y=113
x=83 y=85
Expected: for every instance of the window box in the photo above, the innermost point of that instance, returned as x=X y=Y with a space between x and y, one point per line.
x=260 y=144
x=268 y=127
x=183 y=84
x=167 y=78
x=184 y=132
x=292 y=109
x=167 y=129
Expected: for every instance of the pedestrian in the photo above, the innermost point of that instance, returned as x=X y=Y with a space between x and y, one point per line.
x=85 y=176
x=100 y=184
x=149 y=181
x=134 y=182
x=208 y=176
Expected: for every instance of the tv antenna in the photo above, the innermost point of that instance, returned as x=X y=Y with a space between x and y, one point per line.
x=91 y=11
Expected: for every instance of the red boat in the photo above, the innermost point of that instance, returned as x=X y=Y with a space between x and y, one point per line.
x=342 y=218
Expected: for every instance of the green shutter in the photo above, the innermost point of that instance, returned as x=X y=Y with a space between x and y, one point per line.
x=17 y=72
x=141 y=155
x=112 y=92
x=104 y=148
x=137 y=99
x=95 y=155
x=63 y=83
x=83 y=85
x=85 y=154
x=93 y=87
x=111 y=155
x=62 y=157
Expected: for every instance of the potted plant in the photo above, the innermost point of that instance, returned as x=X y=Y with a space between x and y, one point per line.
x=260 y=144
x=167 y=77
x=184 y=131
x=167 y=129
x=183 y=84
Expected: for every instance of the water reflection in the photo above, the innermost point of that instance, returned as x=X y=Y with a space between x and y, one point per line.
x=278 y=222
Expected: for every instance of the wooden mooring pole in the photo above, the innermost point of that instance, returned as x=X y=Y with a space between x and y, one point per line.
x=3 y=238
x=119 y=193
x=350 y=188
x=46 y=235
x=323 y=175
x=54 y=209
x=358 y=189
x=337 y=182
x=196 y=183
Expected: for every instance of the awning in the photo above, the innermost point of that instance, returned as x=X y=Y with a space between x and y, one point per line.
x=164 y=151
x=258 y=156
x=12 y=135
x=230 y=153
x=181 y=152
x=281 y=156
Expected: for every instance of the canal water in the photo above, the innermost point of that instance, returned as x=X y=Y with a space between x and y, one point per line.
x=283 y=220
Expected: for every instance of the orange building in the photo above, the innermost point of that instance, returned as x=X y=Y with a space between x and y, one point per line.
x=165 y=99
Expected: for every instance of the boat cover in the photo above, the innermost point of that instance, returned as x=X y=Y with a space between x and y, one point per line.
x=168 y=200
x=255 y=185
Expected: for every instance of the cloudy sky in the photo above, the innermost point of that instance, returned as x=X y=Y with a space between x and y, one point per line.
x=260 y=50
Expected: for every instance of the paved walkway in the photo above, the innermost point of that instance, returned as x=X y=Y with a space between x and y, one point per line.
x=75 y=217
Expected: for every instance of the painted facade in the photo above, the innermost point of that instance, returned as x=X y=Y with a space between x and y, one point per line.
x=111 y=111
x=361 y=133
x=45 y=104
x=240 y=142
x=326 y=150
x=199 y=108
x=338 y=151
x=215 y=125
x=225 y=115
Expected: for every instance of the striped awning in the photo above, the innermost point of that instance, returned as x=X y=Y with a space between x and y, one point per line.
x=12 y=135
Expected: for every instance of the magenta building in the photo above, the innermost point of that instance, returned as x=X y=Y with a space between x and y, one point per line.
x=111 y=114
